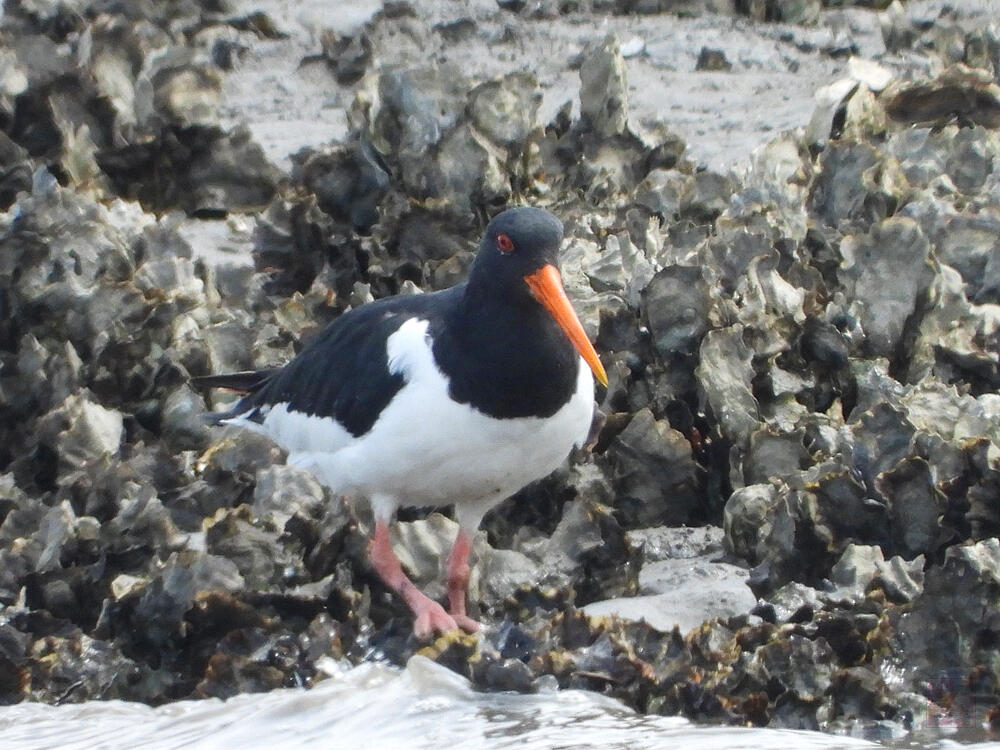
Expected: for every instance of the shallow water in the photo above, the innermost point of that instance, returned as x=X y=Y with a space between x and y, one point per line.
x=376 y=707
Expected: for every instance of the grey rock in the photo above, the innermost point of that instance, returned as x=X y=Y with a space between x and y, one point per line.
x=708 y=198
x=895 y=248
x=682 y=592
x=725 y=375
x=261 y=559
x=829 y=102
x=235 y=176
x=864 y=116
x=968 y=243
x=654 y=471
x=823 y=343
x=348 y=55
x=283 y=491
x=172 y=278
x=692 y=591
x=245 y=454
x=91 y=431
x=186 y=95
x=676 y=542
x=845 y=191
x=958 y=600
x=959 y=89
x=795 y=602
x=773 y=454
x=950 y=340
x=467 y=172
x=54 y=531
x=663 y=191
x=843 y=508
x=93 y=668
x=576 y=537
x=181 y=418
x=861 y=567
x=604 y=89
x=506 y=110
x=161 y=606
x=916 y=506
x=226 y=346
x=898 y=31
x=874 y=75
x=504 y=572
x=423 y=547
x=795 y=11
x=712 y=59
x=882 y=438
x=800 y=666
x=348 y=182
x=737 y=249
x=746 y=516
x=142 y=520
x=676 y=305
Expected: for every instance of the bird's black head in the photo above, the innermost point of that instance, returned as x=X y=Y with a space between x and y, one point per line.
x=518 y=267
x=517 y=243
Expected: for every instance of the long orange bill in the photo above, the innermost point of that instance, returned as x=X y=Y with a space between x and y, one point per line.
x=546 y=285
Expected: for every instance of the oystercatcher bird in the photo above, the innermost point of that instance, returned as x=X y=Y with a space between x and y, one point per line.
x=462 y=396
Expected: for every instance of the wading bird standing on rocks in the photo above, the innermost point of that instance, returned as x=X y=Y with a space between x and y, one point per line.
x=462 y=396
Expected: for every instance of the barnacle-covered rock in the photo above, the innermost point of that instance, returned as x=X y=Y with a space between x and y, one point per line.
x=803 y=353
x=677 y=306
x=725 y=378
x=862 y=567
x=83 y=432
x=654 y=472
x=950 y=622
x=895 y=247
x=969 y=93
x=604 y=90
x=682 y=593
x=281 y=492
x=410 y=114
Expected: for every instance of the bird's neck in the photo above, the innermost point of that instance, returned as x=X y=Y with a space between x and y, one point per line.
x=505 y=355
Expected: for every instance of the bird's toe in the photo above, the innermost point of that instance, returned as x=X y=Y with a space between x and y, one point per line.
x=466 y=623
x=430 y=618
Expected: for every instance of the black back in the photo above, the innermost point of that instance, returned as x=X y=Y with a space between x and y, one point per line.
x=344 y=372
x=502 y=352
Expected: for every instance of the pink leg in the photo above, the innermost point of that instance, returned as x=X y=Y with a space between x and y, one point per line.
x=429 y=616
x=458 y=581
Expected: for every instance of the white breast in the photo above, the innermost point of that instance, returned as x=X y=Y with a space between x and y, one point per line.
x=426 y=449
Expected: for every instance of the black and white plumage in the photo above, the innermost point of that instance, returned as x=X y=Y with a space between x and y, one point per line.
x=460 y=397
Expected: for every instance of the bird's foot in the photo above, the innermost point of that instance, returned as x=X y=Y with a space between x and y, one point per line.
x=466 y=623
x=429 y=618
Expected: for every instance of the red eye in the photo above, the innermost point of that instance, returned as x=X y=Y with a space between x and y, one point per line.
x=504 y=243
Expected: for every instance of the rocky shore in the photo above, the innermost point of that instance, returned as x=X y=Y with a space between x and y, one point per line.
x=790 y=516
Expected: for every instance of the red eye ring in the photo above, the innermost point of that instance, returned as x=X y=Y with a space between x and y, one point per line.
x=505 y=244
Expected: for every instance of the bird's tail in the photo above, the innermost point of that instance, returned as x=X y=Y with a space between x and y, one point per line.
x=240 y=382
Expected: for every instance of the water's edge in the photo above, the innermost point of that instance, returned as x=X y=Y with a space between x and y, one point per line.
x=376 y=706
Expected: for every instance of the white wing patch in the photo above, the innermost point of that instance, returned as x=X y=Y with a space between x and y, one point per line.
x=409 y=351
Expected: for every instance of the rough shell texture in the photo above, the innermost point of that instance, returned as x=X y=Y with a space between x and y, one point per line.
x=803 y=363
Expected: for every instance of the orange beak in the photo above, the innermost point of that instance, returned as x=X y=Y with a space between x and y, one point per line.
x=546 y=286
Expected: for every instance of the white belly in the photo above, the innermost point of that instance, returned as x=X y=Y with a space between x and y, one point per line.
x=426 y=449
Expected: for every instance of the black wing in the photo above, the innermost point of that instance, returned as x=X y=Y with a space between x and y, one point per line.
x=343 y=372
